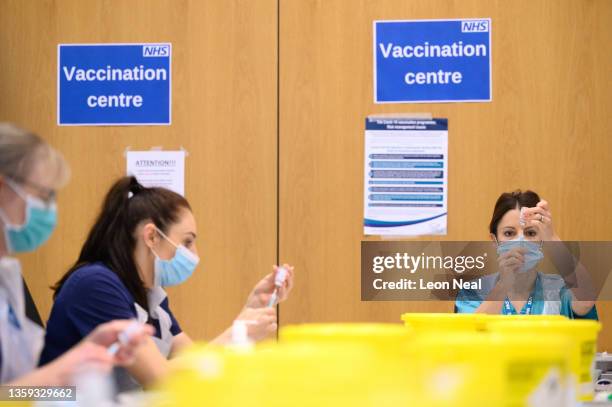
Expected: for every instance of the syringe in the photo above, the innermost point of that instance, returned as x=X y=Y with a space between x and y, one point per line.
x=124 y=337
x=279 y=279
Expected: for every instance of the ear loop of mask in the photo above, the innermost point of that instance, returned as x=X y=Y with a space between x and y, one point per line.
x=12 y=185
x=166 y=237
x=25 y=197
x=162 y=234
x=20 y=192
x=28 y=197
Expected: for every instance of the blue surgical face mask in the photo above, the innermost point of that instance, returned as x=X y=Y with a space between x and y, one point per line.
x=40 y=221
x=532 y=255
x=176 y=270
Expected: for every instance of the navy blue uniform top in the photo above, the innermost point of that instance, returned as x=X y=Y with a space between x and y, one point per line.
x=91 y=296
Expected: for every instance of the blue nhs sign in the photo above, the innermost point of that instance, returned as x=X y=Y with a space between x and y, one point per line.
x=421 y=61
x=114 y=84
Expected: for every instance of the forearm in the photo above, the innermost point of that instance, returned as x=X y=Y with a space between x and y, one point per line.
x=150 y=365
x=583 y=291
x=44 y=376
x=495 y=300
x=180 y=343
x=575 y=276
x=224 y=338
x=582 y=307
x=490 y=307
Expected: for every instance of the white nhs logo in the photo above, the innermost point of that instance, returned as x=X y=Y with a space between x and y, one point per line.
x=470 y=26
x=156 y=50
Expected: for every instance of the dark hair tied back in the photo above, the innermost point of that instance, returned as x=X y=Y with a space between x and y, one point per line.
x=112 y=239
x=135 y=186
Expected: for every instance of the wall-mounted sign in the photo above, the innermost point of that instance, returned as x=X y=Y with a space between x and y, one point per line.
x=114 y=84
x=420 y=61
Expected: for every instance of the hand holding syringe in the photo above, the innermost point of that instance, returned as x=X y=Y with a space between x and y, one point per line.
x=123 y=339
x=279 y=280
x=277 y=284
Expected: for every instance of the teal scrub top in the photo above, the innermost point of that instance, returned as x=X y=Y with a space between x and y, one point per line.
x=550 y=296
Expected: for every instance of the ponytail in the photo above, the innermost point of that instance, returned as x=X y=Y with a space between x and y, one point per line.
x=111 y=240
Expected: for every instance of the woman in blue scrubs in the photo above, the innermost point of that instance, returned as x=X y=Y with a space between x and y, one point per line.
x=520 y=226
x=143 y=240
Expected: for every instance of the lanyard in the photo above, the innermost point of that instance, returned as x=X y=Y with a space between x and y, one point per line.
x=509 y=309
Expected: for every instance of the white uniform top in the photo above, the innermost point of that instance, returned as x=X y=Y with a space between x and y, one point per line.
x=21 y=340
x=125 y=381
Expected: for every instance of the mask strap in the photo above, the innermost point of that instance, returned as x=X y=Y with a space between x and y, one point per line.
x=155 y=253
x=15 y=187
x=20 y=193
x=4 y=218
x=26 y=197
x=166 y=237
x=186 y=251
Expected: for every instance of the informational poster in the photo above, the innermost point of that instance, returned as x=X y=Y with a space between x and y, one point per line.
x=406 y=176
x=420 y=61
x=153 y=168
x=114 y=84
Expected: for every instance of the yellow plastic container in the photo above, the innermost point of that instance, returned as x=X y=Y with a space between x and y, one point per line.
x=387 y=343
x=582 y=337
x=531 y=317
x=482 y=369
x=296 y=374
x=445 y=322
x=356 y=374
x=383 y=337
x=377 y=365
x=449 y=322
x=204 y=375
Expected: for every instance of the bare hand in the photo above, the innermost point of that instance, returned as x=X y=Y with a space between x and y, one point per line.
x=261 y=322
x=85 y=355
x=106 y=334
x=541 y=218
x=509 y=264
x=262 y=292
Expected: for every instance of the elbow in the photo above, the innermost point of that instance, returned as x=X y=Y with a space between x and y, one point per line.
x=582 y=307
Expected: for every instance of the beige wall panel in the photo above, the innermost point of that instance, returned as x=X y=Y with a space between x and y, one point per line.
x=224 y=115
x=547 y=129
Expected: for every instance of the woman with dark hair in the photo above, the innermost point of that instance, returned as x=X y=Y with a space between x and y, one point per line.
x=521 y=224
x=143 y=240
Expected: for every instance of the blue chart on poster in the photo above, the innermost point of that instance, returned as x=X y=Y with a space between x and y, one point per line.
x=419 y=61
x=114 y=84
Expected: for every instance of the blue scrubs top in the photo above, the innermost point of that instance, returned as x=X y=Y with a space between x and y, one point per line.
x=550 y=296
x=91 y=296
